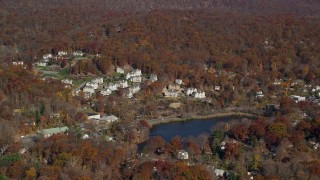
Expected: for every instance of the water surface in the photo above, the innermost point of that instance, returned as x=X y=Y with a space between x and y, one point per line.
x=188 y=128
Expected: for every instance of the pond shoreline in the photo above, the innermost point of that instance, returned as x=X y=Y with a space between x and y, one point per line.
x=165 y=120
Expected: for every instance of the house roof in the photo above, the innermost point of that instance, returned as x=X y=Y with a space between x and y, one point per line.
x=54 y=130
x=17 y=111
x=183 y=151
x=109 y=118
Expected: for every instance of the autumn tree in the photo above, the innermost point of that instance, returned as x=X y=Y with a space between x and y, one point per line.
x=239 y=131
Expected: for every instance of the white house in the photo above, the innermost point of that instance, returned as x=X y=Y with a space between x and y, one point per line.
x=41 y=63
x=174 y=87
x=134 y=73
x=62 y=53
x=16 y=63
x=88 y=89
x=217 y=88
x=170 y=93
x=123 y=84
x=178 y=81
x=105 y=92
x=129 y=95
x=109 y=119
x=47 y=56
x=277 y=82
x=259 y=94
x=93 y=116
x=219 y=172
x=199 y=95
x=93 y=84
x=190 y=91
x=153 y=78
x=298 y=98
x=317 y=88
x=78 y=53
x=183 y=155
x=111 y=86
x=98 y=80
x=67 y=81
x=120 y=70
x=85 y=136
x=22 y=150
x=136 y=79
x=134 y=89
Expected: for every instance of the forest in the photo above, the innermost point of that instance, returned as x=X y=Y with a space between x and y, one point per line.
x=242 y=45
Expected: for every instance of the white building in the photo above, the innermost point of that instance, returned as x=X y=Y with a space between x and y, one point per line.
x=105 y=92
x=62 y=53
x=17 y=63
x=153 y=78
x=41 y=63
x=120 y=70
x=178 y=81
x=136 y=79
x=123 y=84
x=277 y=82
x=190 y=91
x=78 y=53
x=93 y=116
x=174 y=87
x=88 y=89
x=22 y=150
x=67 y=81
x=134 y=73
x=109 y=119
x=134 y=89
x=183 y=155
x=259 y=94
x=47 y=56
x=317 y=88
x=217 y=88
x=111 y=86
x=98 y=80
x=129 y=95
x=199 y=95
x=85 y=136
x=298 y=98
x=219 y=172
x=93 y=84
x=170 y=93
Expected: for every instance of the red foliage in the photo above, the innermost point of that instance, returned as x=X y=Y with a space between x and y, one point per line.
x=231 y=150
x=240 y=132
x=271 y=139
x=144 y=123
x=256 y=129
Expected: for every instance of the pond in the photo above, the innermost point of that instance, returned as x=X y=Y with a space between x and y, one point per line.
x=188 y=128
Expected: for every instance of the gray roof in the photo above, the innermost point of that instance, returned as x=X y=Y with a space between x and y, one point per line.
x=54 y=130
